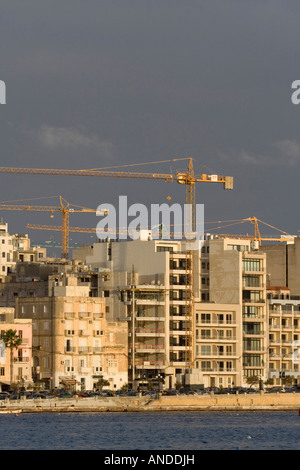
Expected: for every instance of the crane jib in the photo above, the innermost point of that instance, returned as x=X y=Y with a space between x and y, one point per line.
x=67 y=172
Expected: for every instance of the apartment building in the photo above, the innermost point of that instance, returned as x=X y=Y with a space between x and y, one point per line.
x=283 y=264
x=22 y=356
x=283 y=335
x=73 y=342
x=16 y=248
x=237 y=275
x=218 y=344
x=186 y=310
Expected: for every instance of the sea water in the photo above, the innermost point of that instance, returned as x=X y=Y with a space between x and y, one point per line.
x=186 y=431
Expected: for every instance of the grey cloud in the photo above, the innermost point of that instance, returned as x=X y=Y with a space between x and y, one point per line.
x=286 y=153
x=54 y=138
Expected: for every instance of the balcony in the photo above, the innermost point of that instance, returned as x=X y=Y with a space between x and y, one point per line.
x=151 y=348
x=21 y=359
x=69 y=349
x=82 y=315
x=149 y=331
x=84 y=332
x=216 y=338
x=85 y=349
x=148 y=364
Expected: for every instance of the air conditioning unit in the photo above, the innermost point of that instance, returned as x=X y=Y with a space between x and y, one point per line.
x=62 y=362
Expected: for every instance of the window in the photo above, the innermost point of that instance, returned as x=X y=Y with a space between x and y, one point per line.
x=252 y=360
x=250 y=311
x=205 y=334
x=205 y=350
x=252 y=265
x=251 y=281
x=205 y=317
x=252 y=344
x=164 y=248
x=252 y=296
x=106 y=293
x=205 y=365
x=252 y=328
x=238 y=247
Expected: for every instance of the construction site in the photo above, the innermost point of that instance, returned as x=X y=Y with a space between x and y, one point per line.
x=218 y=310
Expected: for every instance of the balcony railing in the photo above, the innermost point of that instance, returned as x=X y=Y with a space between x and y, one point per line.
x=150 y=346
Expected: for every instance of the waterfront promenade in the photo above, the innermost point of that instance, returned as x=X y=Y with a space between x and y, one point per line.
x=255 y=402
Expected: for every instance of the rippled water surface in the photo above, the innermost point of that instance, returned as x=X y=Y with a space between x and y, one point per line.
x=151 y=431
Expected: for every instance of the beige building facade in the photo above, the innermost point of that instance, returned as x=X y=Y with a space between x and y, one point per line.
x=283 y=335
x=218 y=344
x=16 y=248
x=238 y=275
x=167 y=294
x=22 y=356
x=73 y=343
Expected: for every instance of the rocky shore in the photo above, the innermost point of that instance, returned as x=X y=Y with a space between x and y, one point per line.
x=247 y=402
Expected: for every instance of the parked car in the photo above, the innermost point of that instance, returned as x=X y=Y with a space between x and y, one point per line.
x=172 y=392
x=275 y=390
x=65 y=395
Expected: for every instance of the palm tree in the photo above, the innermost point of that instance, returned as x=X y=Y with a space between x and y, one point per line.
x=11 y=341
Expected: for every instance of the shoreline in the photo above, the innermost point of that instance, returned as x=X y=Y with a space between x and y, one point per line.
x=243 y=402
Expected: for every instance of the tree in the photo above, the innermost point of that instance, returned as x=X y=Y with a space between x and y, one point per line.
x=253 y=380
x=11 y=341
x=102 y=383
x=288 y=380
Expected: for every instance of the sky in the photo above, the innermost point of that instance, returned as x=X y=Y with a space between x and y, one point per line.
x=110 y=83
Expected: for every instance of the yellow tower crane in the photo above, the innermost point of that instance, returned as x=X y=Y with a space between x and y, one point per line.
x=256 y=237
x=64 y=209
x=187 y=177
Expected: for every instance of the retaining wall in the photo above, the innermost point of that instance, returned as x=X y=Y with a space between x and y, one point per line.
x=280 y=401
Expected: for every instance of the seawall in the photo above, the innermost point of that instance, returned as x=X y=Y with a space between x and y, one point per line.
x=247 y=402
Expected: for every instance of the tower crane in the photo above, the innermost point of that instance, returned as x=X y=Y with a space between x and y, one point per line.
x=257 y=237
x=187 y=177
x=64 y=209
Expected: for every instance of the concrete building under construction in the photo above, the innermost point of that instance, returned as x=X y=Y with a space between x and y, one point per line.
x=194 y=316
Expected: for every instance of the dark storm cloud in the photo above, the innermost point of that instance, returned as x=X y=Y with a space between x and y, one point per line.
x=101 y=83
